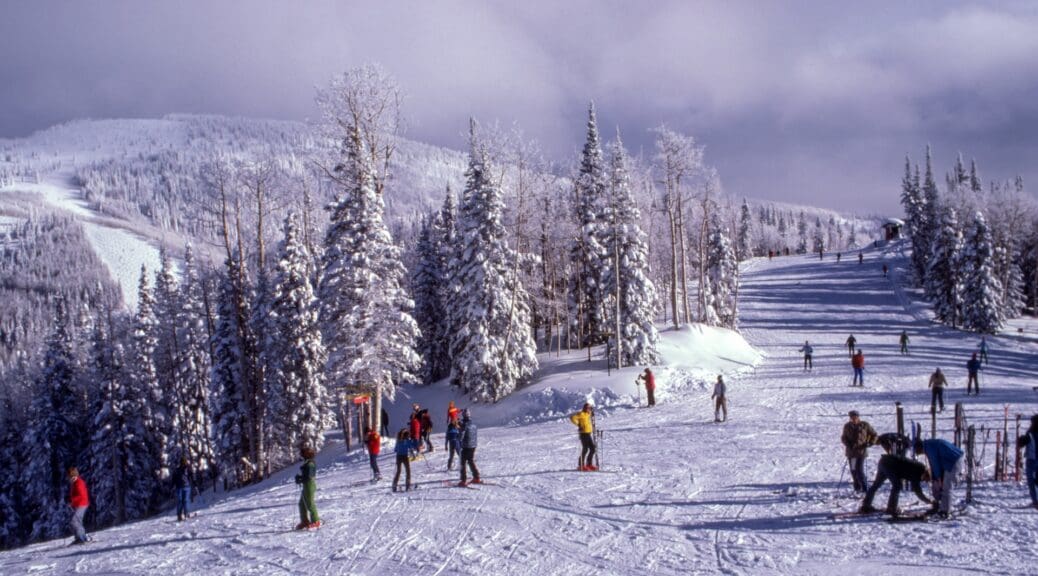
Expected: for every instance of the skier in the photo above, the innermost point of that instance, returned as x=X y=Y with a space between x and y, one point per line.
x=416 y=429
x=973 y=368
x=904 y=341
x=307 y=478
x=468 y=449
x=1029 y=443
x=858 y=363
x=821 y=254
x=427 y=426
x=384 y=424
x=984 y=349
x=374 y=445
x=851 y=342
x=182 y=488
x=860 y=257
x=937 y=384
x=838 y=255
x=884 y=270
x=857 y=436
x=452 y=412
x=945 y=464
x=720 y=402
x=585 y=428
x=650 y=385
x=897 y=469
x=79 y=500
x=405 y=445
x=453 y=443
x=808 y=351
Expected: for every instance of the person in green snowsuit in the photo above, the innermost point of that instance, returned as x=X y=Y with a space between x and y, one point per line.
x=307 y=478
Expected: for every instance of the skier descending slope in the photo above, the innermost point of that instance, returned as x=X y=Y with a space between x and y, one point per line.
x=585 y=428
x=79 y=500
x=468 y=449
x=307 y=478
x=851 y=343
x=808 y=351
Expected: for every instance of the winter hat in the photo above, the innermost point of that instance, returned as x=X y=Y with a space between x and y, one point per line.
x=465 y=415
x=853 y=414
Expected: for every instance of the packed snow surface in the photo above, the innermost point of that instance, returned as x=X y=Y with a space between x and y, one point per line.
x=677 y=493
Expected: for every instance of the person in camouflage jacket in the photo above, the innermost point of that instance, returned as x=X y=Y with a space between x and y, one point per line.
x=857 y=436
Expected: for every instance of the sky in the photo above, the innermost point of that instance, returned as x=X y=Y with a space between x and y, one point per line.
x=812 y=102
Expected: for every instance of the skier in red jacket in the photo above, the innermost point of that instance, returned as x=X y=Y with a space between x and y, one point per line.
x=416 y=429
x=79 y=500
x=374 y=444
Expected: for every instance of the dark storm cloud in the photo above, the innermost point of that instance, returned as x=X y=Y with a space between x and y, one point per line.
x=806 y=101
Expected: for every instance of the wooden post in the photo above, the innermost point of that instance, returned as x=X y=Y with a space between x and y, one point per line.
x=933 y=420
x=348 y=422
x=960 y=421
x=1005 y=445
x=1019 y=452
x=998 y=455
x=971 y=444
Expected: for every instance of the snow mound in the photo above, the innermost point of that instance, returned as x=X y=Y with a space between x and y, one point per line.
x=693 y=356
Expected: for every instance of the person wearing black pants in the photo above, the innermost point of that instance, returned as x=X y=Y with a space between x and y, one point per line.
x=404 y=447
x=585 y=428
x=468 y=450
x=897 y=469
x=937 y=384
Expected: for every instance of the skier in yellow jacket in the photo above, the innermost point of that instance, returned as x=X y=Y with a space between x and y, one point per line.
x=583 y=421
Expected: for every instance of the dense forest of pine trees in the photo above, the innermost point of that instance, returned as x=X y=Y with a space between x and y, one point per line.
x=238 y=354
x=974 y=250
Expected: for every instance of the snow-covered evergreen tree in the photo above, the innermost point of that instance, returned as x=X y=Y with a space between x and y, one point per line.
x=818 y=238
x=801 y=233
x=588 y=252
x=492 y=345
x=744 y=245
x=144 y=381
x=11 y=432
x=427 y=286
x=943 y=281
x=117 y=460
x=628 y=268
x=54 y=438
x=230 y=408
x=299 y=408
x=982 y=292
x=930 y=222
x=163 y=404
x=722 y=277
x=365 y=312
x=193 y=370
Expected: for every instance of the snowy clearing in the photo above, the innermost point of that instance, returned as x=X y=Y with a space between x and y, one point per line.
x=678 y=493
x=122 y=252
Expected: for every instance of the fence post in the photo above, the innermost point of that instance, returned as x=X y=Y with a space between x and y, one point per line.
x=971 y=446
x=960 y=420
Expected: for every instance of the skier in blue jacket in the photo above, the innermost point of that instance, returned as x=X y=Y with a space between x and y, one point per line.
x=945 y=464
x=453 y=443
x=405 y=446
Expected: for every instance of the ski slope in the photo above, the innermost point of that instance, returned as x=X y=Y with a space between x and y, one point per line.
x=678 y=494
x=122 y=252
